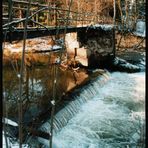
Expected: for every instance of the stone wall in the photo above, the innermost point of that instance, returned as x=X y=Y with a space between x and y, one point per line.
x=100 y=44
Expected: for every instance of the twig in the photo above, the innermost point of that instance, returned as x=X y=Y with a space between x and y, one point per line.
x=5 y=124
x=136 y=46
x=20 y=106
x=53 y=104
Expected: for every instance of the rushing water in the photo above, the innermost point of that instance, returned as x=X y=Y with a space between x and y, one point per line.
x=78 y=99
x=113 y=118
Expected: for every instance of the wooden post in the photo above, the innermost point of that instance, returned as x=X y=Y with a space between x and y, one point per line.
x=27 y=83
x=48 y=14
x=76 y=18
x=95 y=7
x=78 y=9
x=54 y=15
x=10 y=18
x=48 y=18
x=20 y=16
x=33 y=24
x=126 y=12
x=135 y=16
x=114 y=22
x=37 y=16
x=114 y=18
x=75 y=53
x=121 y=14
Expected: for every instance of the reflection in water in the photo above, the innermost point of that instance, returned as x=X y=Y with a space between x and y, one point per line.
x=37 y=89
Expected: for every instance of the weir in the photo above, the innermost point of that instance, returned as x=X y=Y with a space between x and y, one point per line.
x=104 y=119
x=79 y=97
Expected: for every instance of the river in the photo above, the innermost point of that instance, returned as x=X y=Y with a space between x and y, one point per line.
x=111 y=115
x=114 y=118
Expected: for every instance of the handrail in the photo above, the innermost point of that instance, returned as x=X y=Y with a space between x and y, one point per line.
x=56 y=8
x=51 y=8
x=76 y=17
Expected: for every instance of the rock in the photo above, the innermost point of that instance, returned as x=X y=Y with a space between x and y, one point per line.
x=119 y=64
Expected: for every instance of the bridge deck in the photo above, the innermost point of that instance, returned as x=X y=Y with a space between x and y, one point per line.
x=17 y=34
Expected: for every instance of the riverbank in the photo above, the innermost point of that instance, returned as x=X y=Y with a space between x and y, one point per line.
x=38 y=50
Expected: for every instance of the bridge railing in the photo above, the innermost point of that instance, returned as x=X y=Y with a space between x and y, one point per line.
x=42 y=15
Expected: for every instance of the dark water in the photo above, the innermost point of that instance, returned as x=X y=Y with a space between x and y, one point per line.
x=37 y=90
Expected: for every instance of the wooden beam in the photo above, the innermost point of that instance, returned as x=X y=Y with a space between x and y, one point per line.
x=25 y=2
x=38 y=133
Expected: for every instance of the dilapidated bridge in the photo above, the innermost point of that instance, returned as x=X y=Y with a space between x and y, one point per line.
x=51 y=18
x=22 y=20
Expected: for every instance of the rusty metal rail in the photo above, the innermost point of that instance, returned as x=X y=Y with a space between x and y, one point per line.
x=45 y=15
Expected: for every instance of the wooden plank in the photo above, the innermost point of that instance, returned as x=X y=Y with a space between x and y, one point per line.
x=5 y=14
x=38 y=133
x=25 y=2
x=75 y=19
x=17 y=34
x=14 y=19
x=15 y=7
x=44 y=51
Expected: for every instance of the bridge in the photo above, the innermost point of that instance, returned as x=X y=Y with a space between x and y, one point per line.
x=51 y=18
x=17 y=33
x=27 y=19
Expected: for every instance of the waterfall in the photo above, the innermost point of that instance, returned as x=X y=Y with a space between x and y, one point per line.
x=79 y=98
x=103 y=117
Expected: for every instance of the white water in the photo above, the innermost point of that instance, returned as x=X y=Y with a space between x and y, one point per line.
x=11 y=143
x=87 y=93
x=114 y=118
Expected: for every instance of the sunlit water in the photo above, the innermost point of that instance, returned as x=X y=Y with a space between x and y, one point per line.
x=114 y=118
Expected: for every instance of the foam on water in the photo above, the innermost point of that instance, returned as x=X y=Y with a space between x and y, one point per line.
x=115 y=117
x=87 y=93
